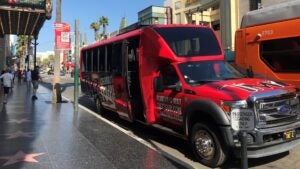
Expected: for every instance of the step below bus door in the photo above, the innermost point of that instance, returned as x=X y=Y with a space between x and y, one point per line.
x=122 y=100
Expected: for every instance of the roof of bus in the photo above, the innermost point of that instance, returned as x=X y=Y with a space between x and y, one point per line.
x=113 y=39
x=135 y=33
x=274 y=13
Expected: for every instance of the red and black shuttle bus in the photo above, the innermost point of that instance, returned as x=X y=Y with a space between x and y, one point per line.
x=175 y=76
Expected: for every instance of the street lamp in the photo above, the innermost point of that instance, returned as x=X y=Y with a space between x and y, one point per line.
x=34 y=56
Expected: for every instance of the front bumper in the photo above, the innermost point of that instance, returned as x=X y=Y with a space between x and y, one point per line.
x=265 y=142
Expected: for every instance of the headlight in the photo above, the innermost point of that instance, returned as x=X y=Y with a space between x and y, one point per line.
x=227 y=106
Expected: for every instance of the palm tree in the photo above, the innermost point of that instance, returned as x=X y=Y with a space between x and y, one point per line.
x=56 y=91
x=96 y=27
x=103 y=21
x=23 y=42
x=21 y=45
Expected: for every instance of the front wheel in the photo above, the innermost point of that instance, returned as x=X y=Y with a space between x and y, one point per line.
x=206 y=145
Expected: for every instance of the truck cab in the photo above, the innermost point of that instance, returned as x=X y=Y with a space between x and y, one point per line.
x=268 y=42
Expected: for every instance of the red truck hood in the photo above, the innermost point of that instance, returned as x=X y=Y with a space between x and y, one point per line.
x=239 y=89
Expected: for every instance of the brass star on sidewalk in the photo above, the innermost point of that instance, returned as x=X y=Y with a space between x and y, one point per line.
x=18 y=134
x=20 y=156
x=18 y=121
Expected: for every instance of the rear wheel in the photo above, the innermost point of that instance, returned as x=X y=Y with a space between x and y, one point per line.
x=206 y=145
x=100 y=109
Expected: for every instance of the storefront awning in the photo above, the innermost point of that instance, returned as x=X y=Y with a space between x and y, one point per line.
x=23 y=17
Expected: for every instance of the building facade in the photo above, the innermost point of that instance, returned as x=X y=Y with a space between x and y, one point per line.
x=5 y=52
x=224 y=16
x=154 y=15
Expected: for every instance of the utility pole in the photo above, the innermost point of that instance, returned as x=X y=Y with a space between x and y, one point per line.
x=56 y=88
x=76 y=55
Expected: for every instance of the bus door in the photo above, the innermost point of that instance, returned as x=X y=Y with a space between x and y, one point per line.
x=120 y=76
x=168 y=96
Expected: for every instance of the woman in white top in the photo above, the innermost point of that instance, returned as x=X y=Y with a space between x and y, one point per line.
x=7 y=81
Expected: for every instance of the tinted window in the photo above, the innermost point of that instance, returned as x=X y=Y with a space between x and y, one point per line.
x=282 y=55
x=207 y=71
x=190 y=41
x=169 y=76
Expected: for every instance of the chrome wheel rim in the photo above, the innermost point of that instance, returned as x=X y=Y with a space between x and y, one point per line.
x=204 y=145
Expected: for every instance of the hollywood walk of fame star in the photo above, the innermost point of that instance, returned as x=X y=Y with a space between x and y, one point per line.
x=19 y=157
x=18 y=134
x=18 y=121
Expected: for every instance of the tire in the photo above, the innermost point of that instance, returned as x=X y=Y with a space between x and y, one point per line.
x=206 y=146
x=100 y=109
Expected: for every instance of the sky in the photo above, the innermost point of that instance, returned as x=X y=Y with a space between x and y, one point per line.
x=88 y=11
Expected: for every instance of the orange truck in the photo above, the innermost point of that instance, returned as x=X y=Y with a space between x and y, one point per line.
x=268 y=42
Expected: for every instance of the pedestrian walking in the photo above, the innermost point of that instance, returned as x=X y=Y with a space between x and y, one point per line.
x=28 y=79
x=35 y=76
x=19 y=74
x=7 y=83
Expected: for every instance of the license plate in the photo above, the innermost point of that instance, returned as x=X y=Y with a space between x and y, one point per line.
x=289 y=134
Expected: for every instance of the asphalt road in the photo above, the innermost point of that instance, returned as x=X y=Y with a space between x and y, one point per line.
x=172 y=145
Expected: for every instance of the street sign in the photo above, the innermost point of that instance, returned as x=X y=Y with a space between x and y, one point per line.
x=242 y=119
x=62 y=35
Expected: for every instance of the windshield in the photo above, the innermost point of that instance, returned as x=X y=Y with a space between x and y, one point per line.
x=190 y=41
x=208 y=71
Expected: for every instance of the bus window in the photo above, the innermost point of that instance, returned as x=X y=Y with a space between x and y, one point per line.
x=89 y=61
x=83 y=66
x=282 y=55
x=95 y=60
x=184 y=39
x=169 y=76
x=108 y=57
x=117 y=58
x=133 y=53
x=101 y=51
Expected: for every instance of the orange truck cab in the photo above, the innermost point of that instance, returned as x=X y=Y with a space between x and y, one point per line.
x=268 y=42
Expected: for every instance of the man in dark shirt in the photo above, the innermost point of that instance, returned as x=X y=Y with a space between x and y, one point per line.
x=35 y=81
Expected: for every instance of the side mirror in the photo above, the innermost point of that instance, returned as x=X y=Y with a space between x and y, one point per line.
x=176 y=87
x=158 y=85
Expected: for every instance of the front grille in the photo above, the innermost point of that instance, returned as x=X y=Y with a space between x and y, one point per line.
x=276 y=110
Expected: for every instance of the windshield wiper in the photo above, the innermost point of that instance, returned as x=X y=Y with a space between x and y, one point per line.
x=204 y=81
x=230 y=78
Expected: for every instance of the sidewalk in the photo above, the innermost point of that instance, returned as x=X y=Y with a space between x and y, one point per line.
x=41 y=135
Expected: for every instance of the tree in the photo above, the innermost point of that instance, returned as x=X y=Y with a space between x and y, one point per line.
x=96 y=27
x=103 y=21
x=23 y=43
x=123 y=23
x=56 y=90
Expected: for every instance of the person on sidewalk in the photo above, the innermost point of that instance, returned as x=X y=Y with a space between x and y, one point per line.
x=35 y=76
x=7 y=83
x=19 y=75
x=28 y=79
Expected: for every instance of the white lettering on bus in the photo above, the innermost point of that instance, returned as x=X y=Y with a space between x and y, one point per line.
x=169 y=107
